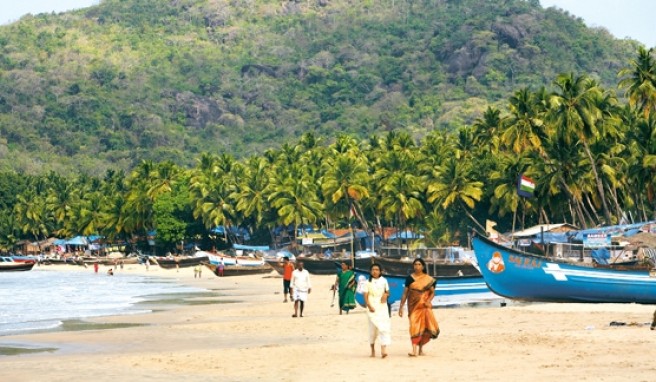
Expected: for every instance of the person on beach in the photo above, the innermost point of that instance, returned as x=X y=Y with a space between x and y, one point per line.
x=345 y=284
x=653 y=322
x=287 y=270
x=198 y=271
x=380 y=323
x=110 y=272
x=419 y=292
x=95 y=267
x=300 y=287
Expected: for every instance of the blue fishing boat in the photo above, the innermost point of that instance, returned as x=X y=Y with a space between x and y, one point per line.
x=523 y=276
x=449 y=289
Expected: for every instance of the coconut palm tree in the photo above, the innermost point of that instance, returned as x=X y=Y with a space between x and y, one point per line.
x=574 y=113
x=452 y=188
x=345 y=184
x=639 y=80
x=294 y=194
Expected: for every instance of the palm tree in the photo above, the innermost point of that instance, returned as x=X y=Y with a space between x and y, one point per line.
x=574 y=113
x=294 y=195
x=345 y=184
x=249 y=195
x=452 y=185
x=211 y=186
x=525 y=128
x=486 y=129
x=639 y=80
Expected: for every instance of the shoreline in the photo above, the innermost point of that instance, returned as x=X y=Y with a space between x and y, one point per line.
x=254 y=338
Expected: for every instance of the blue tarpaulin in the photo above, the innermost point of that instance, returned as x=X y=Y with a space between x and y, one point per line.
x=251 y=247
x=77 y=240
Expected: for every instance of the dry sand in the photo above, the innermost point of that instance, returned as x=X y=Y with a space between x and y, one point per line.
x=252 y=337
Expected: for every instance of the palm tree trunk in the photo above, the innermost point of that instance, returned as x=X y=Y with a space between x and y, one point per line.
x=600 y=186
x=593 y=210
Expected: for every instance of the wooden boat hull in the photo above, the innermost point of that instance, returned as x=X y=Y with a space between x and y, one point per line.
x=326 y=266
x=446 y=286
x=180 y=262
x=439 y=269
x=523 y=276
x=239 y=270
x=15 y=267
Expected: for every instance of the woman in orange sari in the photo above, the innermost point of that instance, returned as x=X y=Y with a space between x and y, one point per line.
x=419 y=292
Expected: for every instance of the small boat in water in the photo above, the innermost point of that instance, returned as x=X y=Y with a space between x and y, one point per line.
x=7 y=264
x=523 y=276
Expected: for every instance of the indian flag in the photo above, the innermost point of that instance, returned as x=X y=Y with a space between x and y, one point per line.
x=526 y=186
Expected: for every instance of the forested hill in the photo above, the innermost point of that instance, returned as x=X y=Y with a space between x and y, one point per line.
x=107 y=86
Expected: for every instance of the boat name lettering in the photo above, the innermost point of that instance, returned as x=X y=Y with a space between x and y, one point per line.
x=525 y=262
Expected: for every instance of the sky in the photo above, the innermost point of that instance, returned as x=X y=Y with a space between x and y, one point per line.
x=623 y=18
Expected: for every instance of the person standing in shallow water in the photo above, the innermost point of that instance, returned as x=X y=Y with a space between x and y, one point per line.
x=419 y=292
x=345 y=284
x=380 y=323
x=300 y=288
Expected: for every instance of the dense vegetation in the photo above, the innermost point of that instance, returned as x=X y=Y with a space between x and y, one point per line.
x=593 y=159
x=106 y=87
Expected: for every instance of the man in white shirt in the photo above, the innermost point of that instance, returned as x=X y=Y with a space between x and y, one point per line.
x=300 y=287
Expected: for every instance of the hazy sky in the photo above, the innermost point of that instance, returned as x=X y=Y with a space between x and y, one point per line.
x=623 y=18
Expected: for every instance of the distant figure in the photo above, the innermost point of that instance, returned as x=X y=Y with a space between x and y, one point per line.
x=375 y=297
x=147 y=264
x=197 y=271
x=110 y=272
x=653 y=322
x=121 y=264
x=300 y=288
x=220 y=269
x=419 y=292
x=287 y=269
x=95 y=267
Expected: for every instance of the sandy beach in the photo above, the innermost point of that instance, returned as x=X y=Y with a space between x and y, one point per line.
x=246 y=333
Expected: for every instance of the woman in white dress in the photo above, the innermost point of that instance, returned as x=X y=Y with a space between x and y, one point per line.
x=375 y=297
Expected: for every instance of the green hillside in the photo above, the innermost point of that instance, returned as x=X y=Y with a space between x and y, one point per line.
x=108 y=86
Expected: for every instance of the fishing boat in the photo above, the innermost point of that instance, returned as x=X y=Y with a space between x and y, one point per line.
x=240 y=270
x=217 y=258
x=398 y=266
x=449 y=289
x=326 y=265
x=524 y=276
x=179 y=261
x=7 y=264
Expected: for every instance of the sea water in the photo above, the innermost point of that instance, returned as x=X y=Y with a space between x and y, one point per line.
x=41 y=299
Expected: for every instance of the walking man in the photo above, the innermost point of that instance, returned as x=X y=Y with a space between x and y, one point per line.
x=300 y=288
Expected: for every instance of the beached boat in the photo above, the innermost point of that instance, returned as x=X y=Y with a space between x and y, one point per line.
x=240 y=270
x=523 y=276
x=217 y=258
x=179 y=261
x=397 y=266
x=467 y=288
x=326 y=265
x=7 y=264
